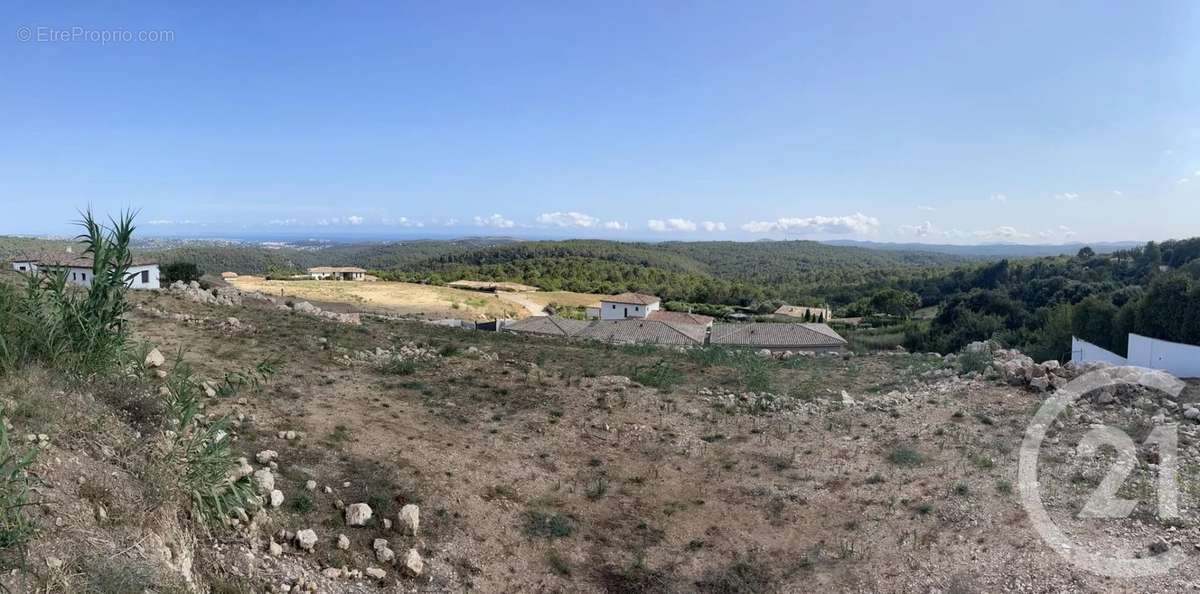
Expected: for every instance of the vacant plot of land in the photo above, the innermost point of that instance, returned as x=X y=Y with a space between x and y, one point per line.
x=565 y=298
x=545 y=465
x=389 y=297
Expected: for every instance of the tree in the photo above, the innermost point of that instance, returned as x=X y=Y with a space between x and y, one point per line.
x=1095 y=320
x=180 y=271
x=1166 y=308
x=1151 y=256
x=1085 y=253
x=1053 y=340
x=895 y=302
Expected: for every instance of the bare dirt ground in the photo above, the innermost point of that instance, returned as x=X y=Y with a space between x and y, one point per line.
x=390 y=297
x=539 y=466
x=411 y=299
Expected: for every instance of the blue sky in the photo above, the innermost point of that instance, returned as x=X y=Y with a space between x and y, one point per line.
x=940 y=122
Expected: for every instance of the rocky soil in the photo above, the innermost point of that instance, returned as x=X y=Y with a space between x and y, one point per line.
x=392 y=456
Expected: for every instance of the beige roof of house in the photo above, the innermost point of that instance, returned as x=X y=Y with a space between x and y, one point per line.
x=549 y=326
x=775 y=335
x=632 y=298
x=680 y=317
x=645 y=332
x=324 y=269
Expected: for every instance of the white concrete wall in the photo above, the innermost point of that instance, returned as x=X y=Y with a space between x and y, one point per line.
x=611 y=310
x=1181 y=360
x=1083 y=351
x=152 y=277
x=24 y=266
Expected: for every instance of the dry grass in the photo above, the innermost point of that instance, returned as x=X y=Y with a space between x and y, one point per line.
x=389 y=297
x=564 y=298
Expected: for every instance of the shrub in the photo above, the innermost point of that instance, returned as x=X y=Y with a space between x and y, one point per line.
x=400 y=366
x=548 y=525
x=202 y=453
x=659 y=375
x=975 y=361
x=180 y=271
x=905 y=456
x=301 y=503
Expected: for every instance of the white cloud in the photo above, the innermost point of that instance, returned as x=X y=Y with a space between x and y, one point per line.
x=354 y=220
x=567 y=219
x=1060 y=231
x=160 y=222
x=402 y=222
x=1067 y=196
x=496 y=221
x=1196 y=173
x=998 y=197
x=855 y=223
x=1182 y=180
x=671 y=225
x=925 y=208
x=923 y=230
x=711 y=226
x=616 y=225
x=1004 y=232
x=282 y=222
x=1118 y=193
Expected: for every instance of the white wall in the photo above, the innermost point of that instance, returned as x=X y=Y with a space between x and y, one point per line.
x=1083 y=351
x=1181 y=360
x=135 y=277
x=610 y=310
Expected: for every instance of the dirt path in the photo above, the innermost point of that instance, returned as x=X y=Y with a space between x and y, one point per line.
x=534 y=308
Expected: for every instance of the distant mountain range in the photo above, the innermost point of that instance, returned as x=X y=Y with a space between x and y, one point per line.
x=993 y=250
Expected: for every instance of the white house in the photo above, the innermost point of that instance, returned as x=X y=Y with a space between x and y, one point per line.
x=628 y=305
x=350 y=273
x=143 y=274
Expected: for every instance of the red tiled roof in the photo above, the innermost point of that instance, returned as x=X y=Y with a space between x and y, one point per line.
x=637 y=331
x=680 y=317
x=776 y=335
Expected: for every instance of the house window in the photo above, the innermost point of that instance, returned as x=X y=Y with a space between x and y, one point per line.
x=21 y=268
x=72 y=276
x=82 y=276
x=145 y=277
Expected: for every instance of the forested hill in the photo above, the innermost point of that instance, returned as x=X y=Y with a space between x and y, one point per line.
x=732 y=273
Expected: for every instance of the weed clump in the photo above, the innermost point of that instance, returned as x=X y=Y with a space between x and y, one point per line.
x=905 y=456
x=659 y=375
x=548 y=525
